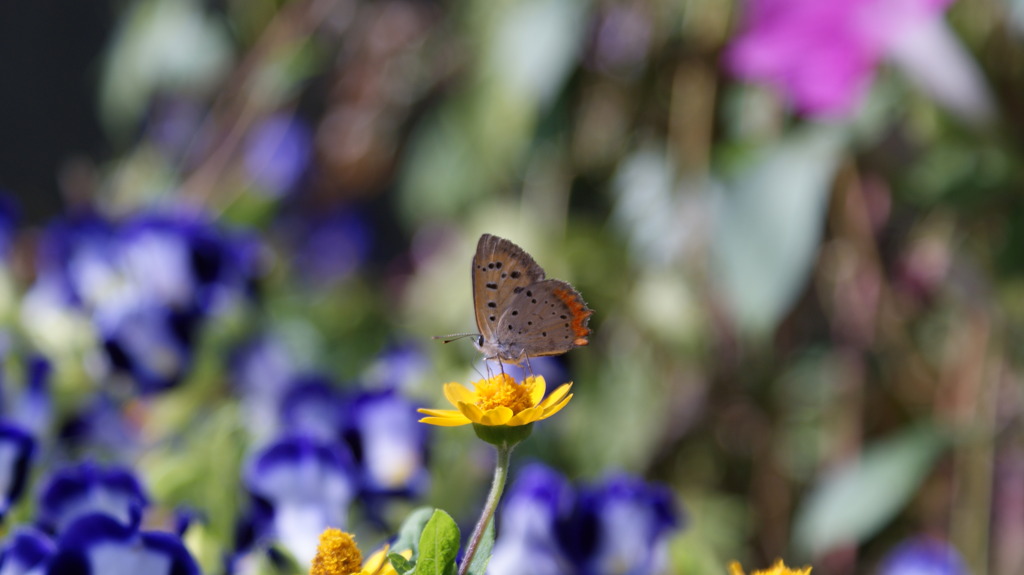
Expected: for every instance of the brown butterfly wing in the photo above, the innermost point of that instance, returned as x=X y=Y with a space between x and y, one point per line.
x=545 y=318
x=499 y=267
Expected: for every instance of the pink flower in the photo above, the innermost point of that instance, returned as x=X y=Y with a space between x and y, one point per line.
x=821 y=54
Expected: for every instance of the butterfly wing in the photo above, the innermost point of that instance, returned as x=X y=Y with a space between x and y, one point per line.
x=499 y=267
x=545 y=318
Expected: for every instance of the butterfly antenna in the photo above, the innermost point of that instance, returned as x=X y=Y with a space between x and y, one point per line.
x=454 y=336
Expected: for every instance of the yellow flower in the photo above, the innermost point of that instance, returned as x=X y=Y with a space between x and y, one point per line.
x=499 y=400
x=337 y=554
x=778 y=569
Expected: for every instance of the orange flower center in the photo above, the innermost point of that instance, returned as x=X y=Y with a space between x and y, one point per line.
x=336 y=554
x=502 y=390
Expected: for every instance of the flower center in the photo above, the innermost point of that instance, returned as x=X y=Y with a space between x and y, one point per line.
x=502 y=390
x=336 y=554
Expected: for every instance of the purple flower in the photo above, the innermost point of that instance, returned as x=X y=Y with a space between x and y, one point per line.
x=178 y=261
x=87 y=488
x=397 y=367
x=151 y=343
x=302 y=486
x=923 y=556
x=312 y=406
x=389 y=443
x=8 y=222
x=822 y=55
x=26 y=552
x=261 y=371
x=539 y=499
x=148 y=285
x=99 y=427
x=96 y=544
x=332 y=246
x=17 y=449
x=31 y=406
x=277 y=154
x=620 y=526
x=262 y=365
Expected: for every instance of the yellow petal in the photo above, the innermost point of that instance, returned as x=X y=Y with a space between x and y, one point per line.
x=539 y=386
x=497 y=416
x=526 y=416
x=445 y=421
x=440 y=412
x=456 y=392
x=376 y=561
x=556 y=395
x=548 y=412
x=470 y=411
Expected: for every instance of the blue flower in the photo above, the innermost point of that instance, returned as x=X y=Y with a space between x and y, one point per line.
x=620 y=526
x=17 y=449
x=277 y=154
x=537 y=502
x=262 y=366
x=85 y=489
x=332 y=247
x=397 y=367
x=312 y=406
x=147 y=285
x=389 y=444
x=923 y=556
x=99 y=427
x=32 y=408
x=96 y=544
x=26 y=552
x=151 y=343
x=185 y=262
x=262 y=369
x=8 y=222
x=302 y=485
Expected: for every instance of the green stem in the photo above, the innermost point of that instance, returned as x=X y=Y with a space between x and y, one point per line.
x=497 y=487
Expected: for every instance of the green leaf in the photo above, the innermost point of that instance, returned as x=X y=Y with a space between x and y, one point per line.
x=411 y=529
x=769 y=224
x=859 y=498
x=401 y=564
x=483 y=553
x=439 y=545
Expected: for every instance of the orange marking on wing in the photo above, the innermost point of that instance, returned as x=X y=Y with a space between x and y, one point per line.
x=579 y=312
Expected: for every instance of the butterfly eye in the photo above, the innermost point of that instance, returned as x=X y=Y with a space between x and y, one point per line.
x=479 y=340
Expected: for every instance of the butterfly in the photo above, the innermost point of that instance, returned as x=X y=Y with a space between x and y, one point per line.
x=519 y=313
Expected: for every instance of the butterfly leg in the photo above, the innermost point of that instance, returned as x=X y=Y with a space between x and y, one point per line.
x=529 y=366
x=487 y=368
